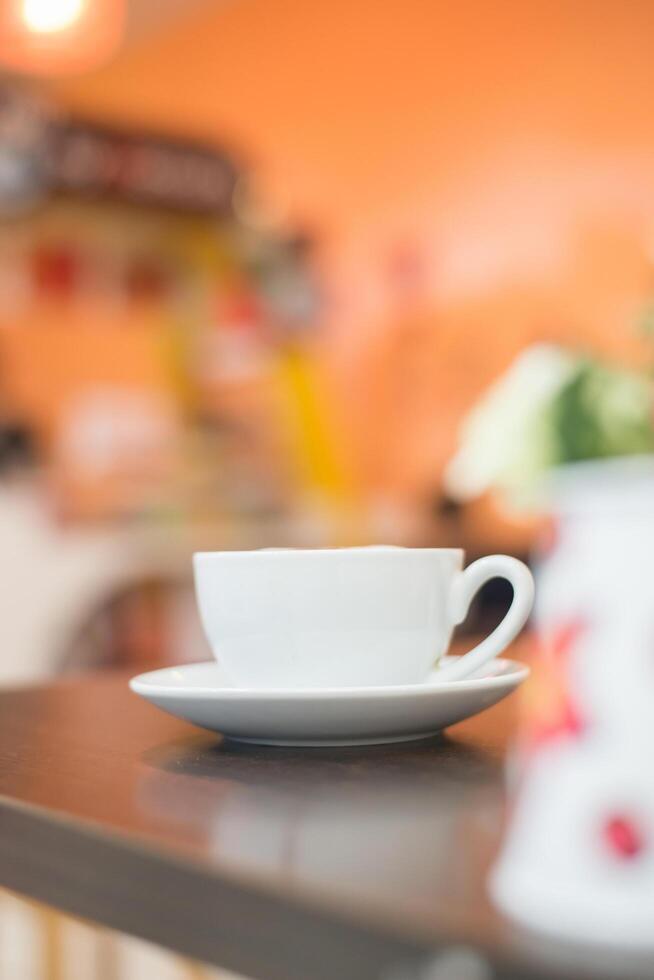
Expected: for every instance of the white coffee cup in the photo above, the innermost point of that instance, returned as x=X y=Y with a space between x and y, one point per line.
x=348 y=617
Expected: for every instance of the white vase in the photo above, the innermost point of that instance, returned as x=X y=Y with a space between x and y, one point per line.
x=578 y=858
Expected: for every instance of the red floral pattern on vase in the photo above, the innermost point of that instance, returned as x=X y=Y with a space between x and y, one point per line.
x=549 y=537
x=623 y=836
x=549 y=708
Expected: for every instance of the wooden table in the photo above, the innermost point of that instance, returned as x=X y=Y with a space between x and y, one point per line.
x=282 y=864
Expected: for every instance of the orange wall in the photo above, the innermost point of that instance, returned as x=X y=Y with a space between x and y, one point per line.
x=513 y=141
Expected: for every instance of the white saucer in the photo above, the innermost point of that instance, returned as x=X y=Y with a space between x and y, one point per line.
x=201 y=694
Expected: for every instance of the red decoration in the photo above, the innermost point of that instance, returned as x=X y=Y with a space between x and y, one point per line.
x=623 y=836
x=564 y=640
x=549 y=538
x=239 y=311
x=56 y=271
x=146 y=281
x=550 y=711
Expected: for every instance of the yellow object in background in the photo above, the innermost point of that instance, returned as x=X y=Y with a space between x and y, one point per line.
x=307 y=427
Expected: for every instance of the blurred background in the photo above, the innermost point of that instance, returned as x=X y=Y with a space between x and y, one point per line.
x=258 y=260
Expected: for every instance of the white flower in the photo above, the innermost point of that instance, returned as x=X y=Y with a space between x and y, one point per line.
x=506 y=441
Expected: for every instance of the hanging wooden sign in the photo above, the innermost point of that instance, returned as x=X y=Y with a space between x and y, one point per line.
x=42 y=153
x=146 y=169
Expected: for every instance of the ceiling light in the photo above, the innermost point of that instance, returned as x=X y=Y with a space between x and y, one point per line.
x=50 y=16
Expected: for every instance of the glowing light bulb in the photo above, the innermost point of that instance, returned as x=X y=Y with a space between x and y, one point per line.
x=50 y=16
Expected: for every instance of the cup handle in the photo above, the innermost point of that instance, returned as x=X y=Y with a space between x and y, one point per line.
x=466 y=584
